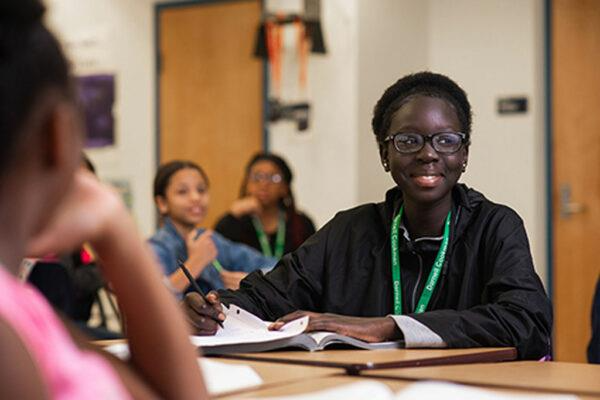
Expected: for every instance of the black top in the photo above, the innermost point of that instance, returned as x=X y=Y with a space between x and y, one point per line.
x=488 y=294
x=593 y=350
x=298 y=228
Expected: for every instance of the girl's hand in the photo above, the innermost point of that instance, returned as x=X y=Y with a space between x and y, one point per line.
x=83 y=216
x=372 y=330
x=201 y=316
x=232 y=279
x=201 y=251
x=245 y=206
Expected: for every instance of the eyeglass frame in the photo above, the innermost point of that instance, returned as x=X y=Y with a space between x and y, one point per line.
x=268 y=178
x=428 y=138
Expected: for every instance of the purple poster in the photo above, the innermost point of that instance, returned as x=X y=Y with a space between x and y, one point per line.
x=97 y=97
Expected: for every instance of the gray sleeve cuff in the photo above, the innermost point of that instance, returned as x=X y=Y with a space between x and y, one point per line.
x=416 y=334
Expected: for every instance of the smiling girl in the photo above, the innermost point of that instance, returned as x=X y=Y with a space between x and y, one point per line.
x=436 y=263
x=182 y=198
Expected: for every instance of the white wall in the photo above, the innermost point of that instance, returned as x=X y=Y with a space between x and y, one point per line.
x=492 y=48
x=325 y=156
x=124 y=32
x=393 y=41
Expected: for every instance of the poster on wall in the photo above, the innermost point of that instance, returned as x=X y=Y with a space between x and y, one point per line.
x=96 y=94
x=123 y=187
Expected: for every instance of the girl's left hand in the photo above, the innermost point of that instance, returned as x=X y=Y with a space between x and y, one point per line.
x=372 y=330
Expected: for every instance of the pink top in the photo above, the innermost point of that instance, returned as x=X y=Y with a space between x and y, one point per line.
x=68 y=372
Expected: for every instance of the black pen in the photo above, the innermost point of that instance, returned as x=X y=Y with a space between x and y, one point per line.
x=195 y=286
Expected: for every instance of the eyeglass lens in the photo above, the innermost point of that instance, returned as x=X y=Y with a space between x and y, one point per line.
x=260 y=177
x=443 y=142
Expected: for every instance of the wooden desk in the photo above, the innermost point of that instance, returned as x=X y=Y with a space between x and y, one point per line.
x=354 y=361
x=312 y=385
x=328 y=382
x=556 y=377
x=274 y=375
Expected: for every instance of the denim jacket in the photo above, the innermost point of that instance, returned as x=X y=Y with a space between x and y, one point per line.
x=169 y=246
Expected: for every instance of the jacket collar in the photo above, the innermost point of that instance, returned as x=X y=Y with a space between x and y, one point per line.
x=170 y=227
x=465 y=200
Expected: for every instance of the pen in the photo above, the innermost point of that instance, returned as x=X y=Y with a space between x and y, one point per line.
x=195 y=286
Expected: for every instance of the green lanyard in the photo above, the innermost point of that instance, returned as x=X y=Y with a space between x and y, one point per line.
x=264 y=241
x=433 y=275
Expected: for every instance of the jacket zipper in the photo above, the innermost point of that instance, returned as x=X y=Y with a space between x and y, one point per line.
x=414 y=294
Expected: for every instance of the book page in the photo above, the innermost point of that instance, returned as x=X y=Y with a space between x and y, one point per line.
x=241 y=326
x=324 y=338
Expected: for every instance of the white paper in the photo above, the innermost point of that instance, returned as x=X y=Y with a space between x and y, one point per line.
x=241 y=326
x=219 y=377
x=224 y=378
x=452 y=391
x=119 y=350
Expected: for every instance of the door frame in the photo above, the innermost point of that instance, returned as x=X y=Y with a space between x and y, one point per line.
x=162 y=6
x=549 y=165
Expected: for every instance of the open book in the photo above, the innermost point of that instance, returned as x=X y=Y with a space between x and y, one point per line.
x=243 y=332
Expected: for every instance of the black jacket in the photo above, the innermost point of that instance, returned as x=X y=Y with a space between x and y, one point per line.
x=488 y=294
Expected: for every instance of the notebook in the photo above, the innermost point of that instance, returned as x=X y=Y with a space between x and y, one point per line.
x=244 y=332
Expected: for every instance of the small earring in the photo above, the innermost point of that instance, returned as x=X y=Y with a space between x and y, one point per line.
x=464 y=167
x=386 y=165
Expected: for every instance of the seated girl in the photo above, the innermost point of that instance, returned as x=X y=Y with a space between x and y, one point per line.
x=44 y=208
x=435 y=263
x=265 y=217
x=181 y=195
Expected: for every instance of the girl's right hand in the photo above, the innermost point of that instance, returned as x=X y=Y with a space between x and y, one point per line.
x=201 y=251
x=245 y=206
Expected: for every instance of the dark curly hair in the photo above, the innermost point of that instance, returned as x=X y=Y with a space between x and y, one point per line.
x=420 y=84
x=31 y=63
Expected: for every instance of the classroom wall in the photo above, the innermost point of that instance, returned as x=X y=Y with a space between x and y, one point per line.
x=325 y=156
x=388 y=48
x=117 y=36
x=492 y=48
x=495 y=48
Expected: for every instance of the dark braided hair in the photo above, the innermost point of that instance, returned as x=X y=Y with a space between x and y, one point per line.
x=31 y=63
x=427 y=84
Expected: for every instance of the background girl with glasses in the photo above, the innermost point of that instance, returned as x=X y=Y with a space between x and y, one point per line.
x=265 y=215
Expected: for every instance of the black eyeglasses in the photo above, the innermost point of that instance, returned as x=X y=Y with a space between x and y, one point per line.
x=442 y=142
